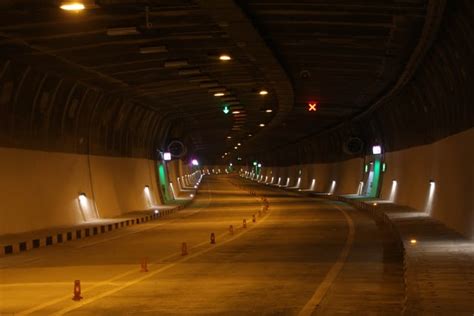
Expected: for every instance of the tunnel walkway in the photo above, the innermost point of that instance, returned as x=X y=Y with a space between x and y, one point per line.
x=277 y=265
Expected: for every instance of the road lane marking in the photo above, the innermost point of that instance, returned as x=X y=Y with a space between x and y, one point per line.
x=332 y=274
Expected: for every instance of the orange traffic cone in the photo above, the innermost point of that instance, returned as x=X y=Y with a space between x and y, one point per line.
x=184 y=249
x=144 y=265
x=77 y=291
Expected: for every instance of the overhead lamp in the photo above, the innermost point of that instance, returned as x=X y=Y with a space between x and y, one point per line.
x=238 y=144
x=167 y=156
x=263 y=92
x=194 y=162
x=224 y=57
x=175 y=63
x=72 y=6
x=120 y=31
x=261 y=125
x=235 y=112
x=235 y=147
x=189 y=71
x=259 y=165
x=249 y=135
x=229 y=137
x=153 y=49
x=211 y=84
x=219 y=94
x=268 y=110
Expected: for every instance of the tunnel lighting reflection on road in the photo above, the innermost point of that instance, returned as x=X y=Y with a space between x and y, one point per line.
x=393 y=191
x=73 y=6
x=298 y=182
x=279 y=180
x=430 y=198
x=287 y=182
x=313 y=185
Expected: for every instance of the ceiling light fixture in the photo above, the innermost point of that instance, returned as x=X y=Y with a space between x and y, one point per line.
x=219 y=94
x=261 y=125
x=153 y=49
x=269 y=110
x=119 y=31
x=225 y=57
x=189 y=71
x=235 y=112
x=72 y=6
x=263 y=92
x=175 y=63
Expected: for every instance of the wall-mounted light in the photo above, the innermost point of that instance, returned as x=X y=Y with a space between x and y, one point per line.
x=194 y=162
x=82 y=197
x=156 y=212
x=333 y=187
x=393 y=191
x=430 y=197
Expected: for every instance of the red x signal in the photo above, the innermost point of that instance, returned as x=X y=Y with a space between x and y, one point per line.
x=312 y=106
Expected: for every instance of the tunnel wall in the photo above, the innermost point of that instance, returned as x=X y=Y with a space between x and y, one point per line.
x=447 y=162
x=40 y=189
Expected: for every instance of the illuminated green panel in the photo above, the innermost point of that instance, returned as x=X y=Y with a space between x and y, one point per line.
x=376 y=179
x=163 y=180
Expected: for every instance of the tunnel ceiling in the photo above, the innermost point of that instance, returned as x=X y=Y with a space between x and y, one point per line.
x=155 y=65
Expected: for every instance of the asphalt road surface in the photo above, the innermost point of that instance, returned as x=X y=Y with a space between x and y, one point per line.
x=303 y=256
